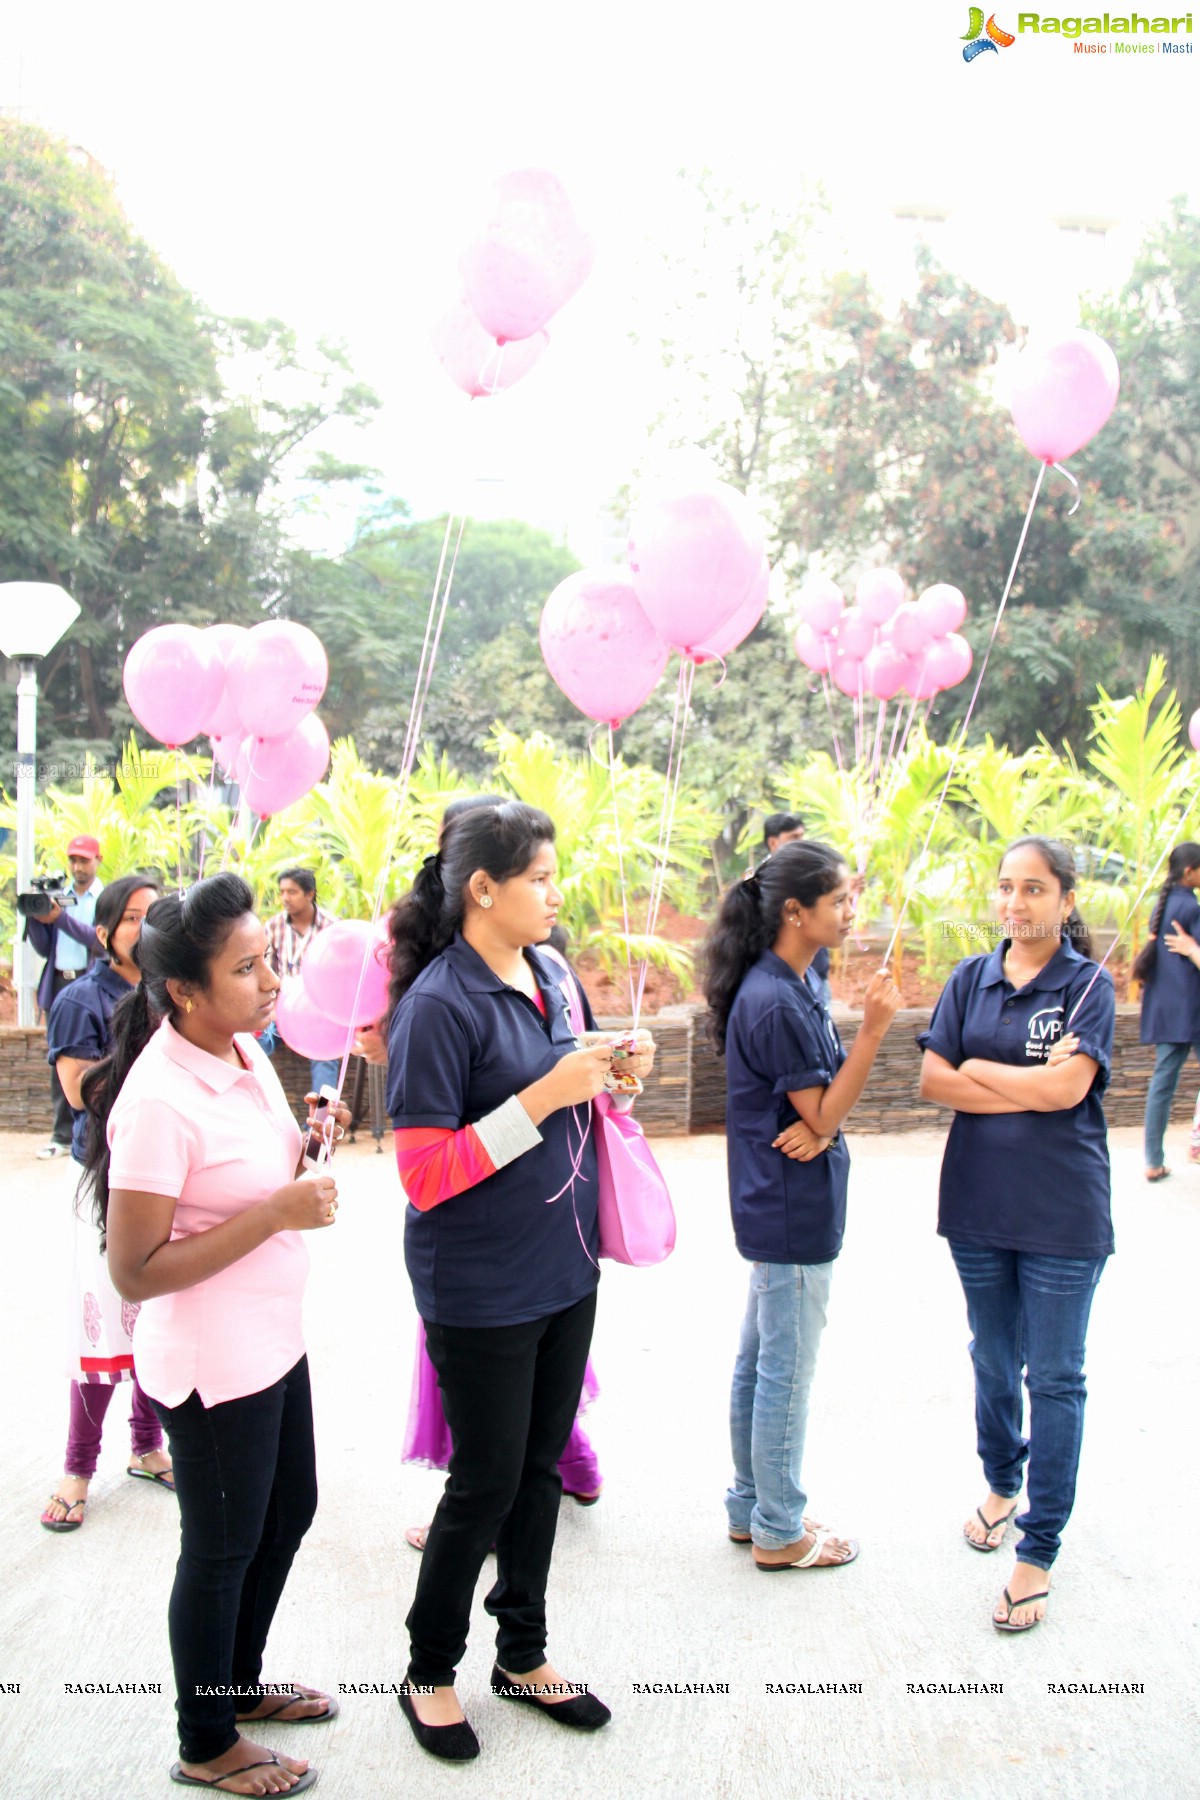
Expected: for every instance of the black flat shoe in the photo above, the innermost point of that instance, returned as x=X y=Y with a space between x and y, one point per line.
x=583 y=1711
x=453 y=1743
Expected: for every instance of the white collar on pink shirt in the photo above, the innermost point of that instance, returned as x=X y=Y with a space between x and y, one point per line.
x=219 y=1076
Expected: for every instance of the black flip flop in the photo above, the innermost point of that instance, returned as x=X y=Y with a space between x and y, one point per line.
x=1004 y=1624
x=285 y=1700
x=301 y=1783
x=989 y=1526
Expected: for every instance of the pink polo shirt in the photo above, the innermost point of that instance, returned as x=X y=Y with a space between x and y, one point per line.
x=215 y=1139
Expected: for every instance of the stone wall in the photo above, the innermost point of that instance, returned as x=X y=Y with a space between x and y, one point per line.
x=687 y=1090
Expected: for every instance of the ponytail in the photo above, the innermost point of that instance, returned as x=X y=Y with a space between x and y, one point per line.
x=1184 y=856
x=748 y=921
x=499 y=836
x=132 y=1026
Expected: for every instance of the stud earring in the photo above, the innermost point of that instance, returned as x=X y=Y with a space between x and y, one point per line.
x=485 y=899
x=187 y=1006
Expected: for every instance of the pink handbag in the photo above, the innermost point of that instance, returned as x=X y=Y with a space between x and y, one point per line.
x=637 y=1220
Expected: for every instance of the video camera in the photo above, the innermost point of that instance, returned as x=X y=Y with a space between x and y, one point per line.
x=48 y=891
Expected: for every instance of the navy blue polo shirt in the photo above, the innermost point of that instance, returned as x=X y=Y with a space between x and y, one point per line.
x=779 y=1040
x=1171 y=997
x=1028 y=1181
x=78 y=1026
x=462 y=1042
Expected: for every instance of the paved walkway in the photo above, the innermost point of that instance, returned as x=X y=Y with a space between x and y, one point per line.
x=646 y=1589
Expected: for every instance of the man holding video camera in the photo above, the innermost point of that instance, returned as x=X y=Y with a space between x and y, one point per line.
x=58 y=923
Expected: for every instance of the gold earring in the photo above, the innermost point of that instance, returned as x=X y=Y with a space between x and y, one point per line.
x=187 y=1006
x=485 y=899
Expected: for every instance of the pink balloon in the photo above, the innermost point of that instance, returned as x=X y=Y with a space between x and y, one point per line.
x=1063 y=392
x=350 y=951
x=599 y=646
x=821 y=603
x=948 y=660
x=1194 y=730
x=814 y=651
x=225 y=720
x=849 y=675
x=172 y=682
x=227 y=754
x=921 y=682
x=694 y=553
x=276 y=677
x=302 y=1027
x=885 y=671
x=528 y=258
x=910 y=631
x=855 y=634
x=943 y=608
x=742 y=622
x=472 y=358
x=879 y=593
x=280 y=771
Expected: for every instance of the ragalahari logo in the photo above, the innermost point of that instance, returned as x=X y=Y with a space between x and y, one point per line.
x=975 y=43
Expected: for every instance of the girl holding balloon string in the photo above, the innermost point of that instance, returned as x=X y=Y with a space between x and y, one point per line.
x=485 y=1087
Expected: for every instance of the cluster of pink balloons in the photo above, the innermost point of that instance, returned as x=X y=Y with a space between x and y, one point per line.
x=251 y=691
x=342 y=985
x=527 y=257
x=884 y=645
x=696 y=582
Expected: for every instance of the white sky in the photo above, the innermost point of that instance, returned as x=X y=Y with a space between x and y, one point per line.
x=321 y=165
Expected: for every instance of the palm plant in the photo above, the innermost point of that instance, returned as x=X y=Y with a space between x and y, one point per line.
x=1147 y=802
x=578 y=794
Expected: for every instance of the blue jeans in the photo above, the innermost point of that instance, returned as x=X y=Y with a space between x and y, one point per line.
x=1168 y=1067
x=1029 y=1312
x=768 y=1407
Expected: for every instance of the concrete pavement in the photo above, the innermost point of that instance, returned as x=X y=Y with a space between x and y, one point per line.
x=648 y=1596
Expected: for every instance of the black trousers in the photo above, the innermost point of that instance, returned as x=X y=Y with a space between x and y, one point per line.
x=510 y=1394
x=246 y=1477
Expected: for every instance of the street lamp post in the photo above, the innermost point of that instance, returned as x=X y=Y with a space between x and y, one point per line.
x=33 y=616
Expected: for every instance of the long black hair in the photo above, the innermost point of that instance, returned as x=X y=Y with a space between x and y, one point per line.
x=748 y=922
x=1060 y=861
x=500 y=836
x=180 y=936
x=112 y=901
x=1183 y=857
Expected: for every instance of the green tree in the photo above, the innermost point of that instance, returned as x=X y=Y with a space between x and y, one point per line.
x=131 y=471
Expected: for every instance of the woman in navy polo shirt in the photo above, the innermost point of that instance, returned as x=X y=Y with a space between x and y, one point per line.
x=1020 y=1045
x=101 y=1348
x=790 y=1086
x=489 y=1096
x=1170 y=997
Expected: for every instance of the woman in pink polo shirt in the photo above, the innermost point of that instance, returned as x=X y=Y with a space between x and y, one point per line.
x=194 y=1157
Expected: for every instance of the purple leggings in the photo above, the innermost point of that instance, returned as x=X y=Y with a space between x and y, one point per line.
x=89 y=1403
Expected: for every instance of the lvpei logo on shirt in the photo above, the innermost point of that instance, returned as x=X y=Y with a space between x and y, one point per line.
x=1045 y=1028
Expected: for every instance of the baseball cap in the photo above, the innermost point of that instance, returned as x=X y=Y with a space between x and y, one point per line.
x=84 y=846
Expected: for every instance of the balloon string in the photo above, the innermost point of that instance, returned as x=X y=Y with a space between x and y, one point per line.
x=612 y=777
x=837 y=743
x=433 y=637
x=683 y=696
x=178 y=828
x=490 y=388
x=1074 y=484
x=961 y=736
